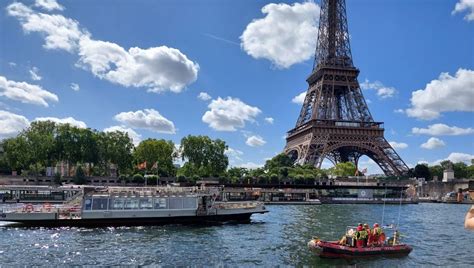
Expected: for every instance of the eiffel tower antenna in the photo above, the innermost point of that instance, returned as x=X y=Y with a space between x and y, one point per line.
x=335 y=122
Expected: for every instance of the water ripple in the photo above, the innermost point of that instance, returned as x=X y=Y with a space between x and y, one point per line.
x=278 y=238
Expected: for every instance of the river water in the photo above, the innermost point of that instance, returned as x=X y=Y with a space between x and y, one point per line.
x=277 y=238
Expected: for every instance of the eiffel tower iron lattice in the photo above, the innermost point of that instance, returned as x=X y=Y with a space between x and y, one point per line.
x=335 y=122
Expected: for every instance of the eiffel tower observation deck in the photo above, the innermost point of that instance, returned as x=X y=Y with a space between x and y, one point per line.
x=335 y=122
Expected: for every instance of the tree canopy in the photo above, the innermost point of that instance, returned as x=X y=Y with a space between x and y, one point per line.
x=204 y=157
x=156 y=151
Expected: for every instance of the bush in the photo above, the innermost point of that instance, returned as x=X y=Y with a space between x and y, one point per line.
x=182 y=178
x=152 y=180
x=138 y=178
x=80 y=177
x=123 y=177
x=195 y=178
x=299 y=179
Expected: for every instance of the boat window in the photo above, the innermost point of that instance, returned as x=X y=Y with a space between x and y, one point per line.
x=88 y=204
x=131 y=203
x=189 y=202
x=100 y=204
x=146 y=203
x=117 y=203
x=176 y=202
x=160 y=203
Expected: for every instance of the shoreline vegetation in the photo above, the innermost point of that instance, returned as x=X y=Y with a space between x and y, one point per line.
x=61 y=150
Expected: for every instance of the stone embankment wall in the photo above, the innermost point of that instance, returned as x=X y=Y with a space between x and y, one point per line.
x=438 y=189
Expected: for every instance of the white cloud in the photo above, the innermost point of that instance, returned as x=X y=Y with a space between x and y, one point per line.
x=48 y=5
x=59 y=32
x=398 y=145
x=149 y=119
x=229 y=114
x=299 y=99
x=399 y=111
x=25 y=93
x=156 y=68
x=382 y=91
x=132 y=134
x=269 y=120
x=465 y=5
x=34 y=74
x=445 y=94
x=456 y=158
x=255 y=141
x=250 y=165
x=12 y=64
x=11 y=124
x=204 y=96
x=433 y=143
x=442 y=130
x=285 y=36
x=75 y=87
x=67 y=120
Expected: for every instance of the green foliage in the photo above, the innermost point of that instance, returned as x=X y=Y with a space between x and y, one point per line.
x=436 y=170
x=422 y=171
x=115 y=147
x=343 y=169
x=237 y=172
x=156 y=151
x=80 y=177
x=460 y=170
x=138 y=178
x=123 y=178
x=280 y=160
x=46 y=143
x=203 y=156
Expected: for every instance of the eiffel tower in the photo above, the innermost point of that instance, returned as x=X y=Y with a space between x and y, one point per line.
x=335 y=122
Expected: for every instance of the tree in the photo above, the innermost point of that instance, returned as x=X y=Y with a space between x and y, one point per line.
x=460 y=170
x=16 y=153
x=436 y=170
x=236 y=173
x=80 y=177
x=280 y=160
x=203 y=155
x=156 y=151
x=422 y=171
x=115 y=147
x=343 y=169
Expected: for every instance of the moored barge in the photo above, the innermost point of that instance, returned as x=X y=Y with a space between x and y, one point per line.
x=127 y=206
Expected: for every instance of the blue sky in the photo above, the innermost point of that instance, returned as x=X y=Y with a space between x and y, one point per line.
x=141 y=65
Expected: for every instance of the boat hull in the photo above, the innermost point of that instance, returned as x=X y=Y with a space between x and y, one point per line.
x=115 y=222
x=331 y=249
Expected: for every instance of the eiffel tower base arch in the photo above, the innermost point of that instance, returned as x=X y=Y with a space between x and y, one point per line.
x=344 y=145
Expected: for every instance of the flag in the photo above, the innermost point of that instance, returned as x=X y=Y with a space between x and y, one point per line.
x=142 y=165
x=155 y=165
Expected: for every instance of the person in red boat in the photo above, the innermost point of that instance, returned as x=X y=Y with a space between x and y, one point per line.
x=360 y=236
x=376 y=235
x=369 y=235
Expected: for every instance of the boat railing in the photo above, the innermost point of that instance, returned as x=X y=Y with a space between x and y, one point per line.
x=39 y=208
x=237 y=205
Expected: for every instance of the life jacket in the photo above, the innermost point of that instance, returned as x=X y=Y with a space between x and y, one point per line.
x=377 y=231
x=362 y=234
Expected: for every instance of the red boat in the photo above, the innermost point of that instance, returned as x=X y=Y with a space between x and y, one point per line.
x=332 y=249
